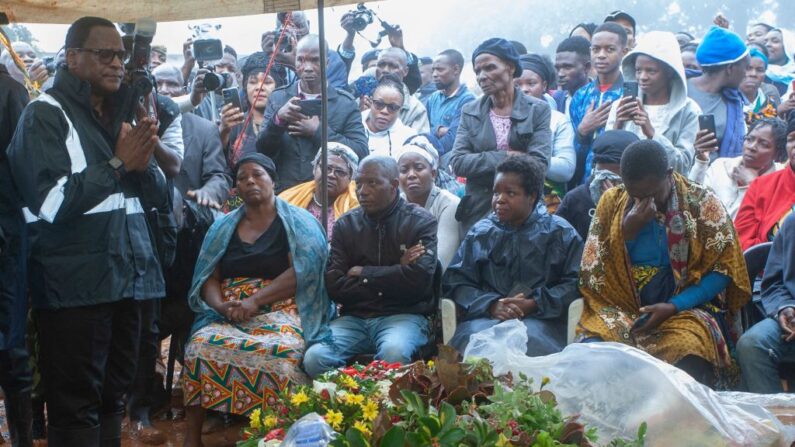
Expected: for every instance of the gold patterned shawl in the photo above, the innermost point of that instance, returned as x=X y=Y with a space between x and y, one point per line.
x=708 y=243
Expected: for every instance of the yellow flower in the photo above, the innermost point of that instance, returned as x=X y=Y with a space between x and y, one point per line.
x=545 y=381
x=255 y=419
x=348 y=382
x=370 y=411
x=431 y=364
x=355 y=399
x=362 y=427
x=334 y=418
x=271 y=421
x=299 y=398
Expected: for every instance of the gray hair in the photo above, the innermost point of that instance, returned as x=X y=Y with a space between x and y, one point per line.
x=386 y=165
x=342 y=151
x=397 y=52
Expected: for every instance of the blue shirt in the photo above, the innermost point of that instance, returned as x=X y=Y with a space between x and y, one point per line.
x=580 y=104
x=650 y=247
x=444 y=111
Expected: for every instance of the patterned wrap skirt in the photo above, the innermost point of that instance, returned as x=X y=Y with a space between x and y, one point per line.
x=238 y=367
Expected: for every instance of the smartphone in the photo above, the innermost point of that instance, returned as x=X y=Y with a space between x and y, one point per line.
x=707 y=122
x=630 y=89
x=310 y=107
x=640 y=322
x=231 y=96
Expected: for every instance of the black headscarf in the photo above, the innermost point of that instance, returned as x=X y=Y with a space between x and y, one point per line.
x=257 y=63
x=260 y=159
x=608 y=147
x=502 y=49
x=538 y=65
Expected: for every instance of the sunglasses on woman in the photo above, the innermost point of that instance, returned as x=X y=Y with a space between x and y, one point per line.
x=379 y=105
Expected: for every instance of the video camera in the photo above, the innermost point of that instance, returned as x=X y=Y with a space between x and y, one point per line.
x=364 y=16
x=137 y=41
x=208 y=49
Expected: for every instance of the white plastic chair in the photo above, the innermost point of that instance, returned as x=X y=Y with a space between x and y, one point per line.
x=449 y=322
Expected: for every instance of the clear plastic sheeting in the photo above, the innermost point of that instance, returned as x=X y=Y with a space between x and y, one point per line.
x=615 y=388
x=309 y=431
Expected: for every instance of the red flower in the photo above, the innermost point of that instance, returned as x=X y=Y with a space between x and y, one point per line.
x=277 y=434
x=284 y=411
x=325 y=395
x=395 y=419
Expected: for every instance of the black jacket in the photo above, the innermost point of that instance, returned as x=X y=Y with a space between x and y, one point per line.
x=90 y=241
x=475 y=155
x=13 y=98
x=385 y=287
x=293 y=155
x=577 y=208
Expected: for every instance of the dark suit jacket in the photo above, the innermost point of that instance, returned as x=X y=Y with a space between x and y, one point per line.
x=294 y=155
x=204 y=166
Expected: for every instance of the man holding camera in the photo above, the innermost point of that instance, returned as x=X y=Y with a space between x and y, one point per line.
x=86 y=179
x=290 y=133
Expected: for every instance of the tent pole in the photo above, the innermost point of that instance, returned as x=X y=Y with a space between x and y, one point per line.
x=323 y=115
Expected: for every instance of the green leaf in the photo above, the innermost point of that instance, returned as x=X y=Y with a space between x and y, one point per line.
x=432 y=424
x=356 y=438
x=395 y=437
x=452 y=437
x=447 y=416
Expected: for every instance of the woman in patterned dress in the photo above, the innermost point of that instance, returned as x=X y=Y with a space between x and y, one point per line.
x=260 y=299
x=663 y=249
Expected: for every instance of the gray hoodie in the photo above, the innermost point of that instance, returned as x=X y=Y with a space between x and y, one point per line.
x=676 y=123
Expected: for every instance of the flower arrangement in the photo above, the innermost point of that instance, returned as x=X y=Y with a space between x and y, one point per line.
x=442 y=403
x=348 y=399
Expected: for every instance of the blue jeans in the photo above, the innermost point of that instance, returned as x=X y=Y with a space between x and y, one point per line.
x=759 y=352
x=394 y=338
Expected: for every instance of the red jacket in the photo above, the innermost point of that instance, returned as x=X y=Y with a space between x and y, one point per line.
x=767 y=200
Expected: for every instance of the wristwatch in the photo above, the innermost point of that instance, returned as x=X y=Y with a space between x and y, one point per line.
x=118 y=166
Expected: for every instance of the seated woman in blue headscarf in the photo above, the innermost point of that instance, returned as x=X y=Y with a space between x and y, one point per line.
x=260 y=298
x=518 y=263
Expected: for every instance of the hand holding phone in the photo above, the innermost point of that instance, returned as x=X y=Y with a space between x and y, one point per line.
x=310 y=107
x=707 y=122
x=231 y=96
x=640 y=322
x=630 y=89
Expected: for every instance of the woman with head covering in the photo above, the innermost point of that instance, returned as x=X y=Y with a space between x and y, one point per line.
x=254 y=93
x=503 y=122
x=418 y=165
x=769 y=199
x=765 y=147
x=382 y=124
x=260 y=300
x=518 y=263
x=781 y=69
x=662 y=270
x=342 y=164
x=578 y=205
x=661 y=111
x=760 y=102
x=538 y=77
x=584 y=29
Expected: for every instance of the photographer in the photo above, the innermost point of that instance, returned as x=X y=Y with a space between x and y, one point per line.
x=255 y=91
x=290 y=134
x=227 y=68
x=85 y=178
x=412 y=78
x=337 y=70
x=37 y=69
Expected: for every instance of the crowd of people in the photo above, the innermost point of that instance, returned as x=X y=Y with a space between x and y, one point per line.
x=630 y=168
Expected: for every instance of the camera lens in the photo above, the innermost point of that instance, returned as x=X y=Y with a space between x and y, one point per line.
x=213 y=81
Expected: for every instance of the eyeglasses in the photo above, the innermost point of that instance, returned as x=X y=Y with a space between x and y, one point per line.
x=379 y=105
x=106 y=55
x=339 y=173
